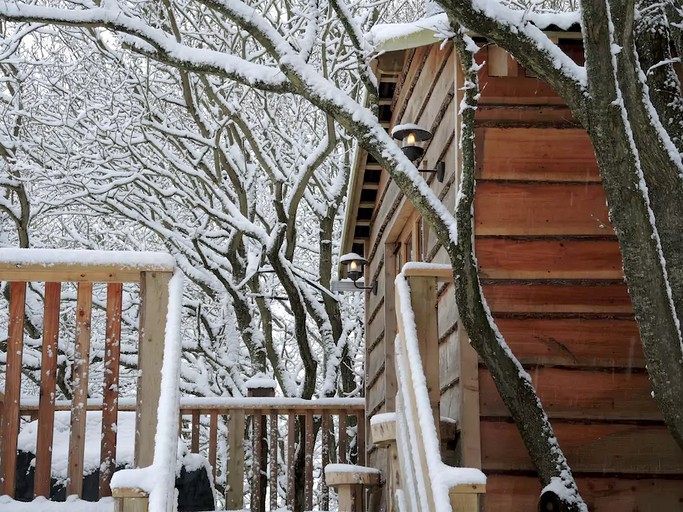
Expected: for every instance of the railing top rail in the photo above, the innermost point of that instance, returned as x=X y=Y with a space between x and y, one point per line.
x=218 y=404
x=80 y=265
x=420 y=269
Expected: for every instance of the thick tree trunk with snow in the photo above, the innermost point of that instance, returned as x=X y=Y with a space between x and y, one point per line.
x=640 y=164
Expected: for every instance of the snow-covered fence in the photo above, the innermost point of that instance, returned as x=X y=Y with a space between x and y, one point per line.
x=241 y=421
x=152 y=272
x=426 y=483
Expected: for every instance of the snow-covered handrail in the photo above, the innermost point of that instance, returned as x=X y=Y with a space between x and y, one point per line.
x=71 y=265
x=427 y=483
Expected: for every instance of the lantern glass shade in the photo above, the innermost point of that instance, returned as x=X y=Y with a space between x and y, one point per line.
x=412 y=138
x=354 y=264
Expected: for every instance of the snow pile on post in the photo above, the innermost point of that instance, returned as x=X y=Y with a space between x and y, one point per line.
x=417 y=435
x=158 y=480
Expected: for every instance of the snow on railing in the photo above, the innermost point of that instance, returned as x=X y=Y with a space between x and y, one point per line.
x=427 y=483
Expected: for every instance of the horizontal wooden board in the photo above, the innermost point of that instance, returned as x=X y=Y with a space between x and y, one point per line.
x=518 y=89
x=505 y=258
x=520 y=494
x=580 y=394
x=544 y=298
x=594 y=448
x=544 y=154
x=510 y=115
x=540 y=209
x=574 y=341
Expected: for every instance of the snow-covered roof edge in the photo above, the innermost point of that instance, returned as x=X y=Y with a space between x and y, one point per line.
x=391 y=37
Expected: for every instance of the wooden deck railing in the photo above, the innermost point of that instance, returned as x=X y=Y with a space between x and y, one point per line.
x=151 y=272
x=276 y=422
x=425 y=483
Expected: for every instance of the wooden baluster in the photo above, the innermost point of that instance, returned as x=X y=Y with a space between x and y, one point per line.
x=213 y=442
x=342 y=437
x=273 y=460
x=48 y=379
x=291 y=459
x=325 y=453
x=235 y=479
x=257 y=485
x=308 y=461
x=153 y=311
x=10 y=417
x=110 y=400
x=360 y=438
x=80 y=389
x=194 y=443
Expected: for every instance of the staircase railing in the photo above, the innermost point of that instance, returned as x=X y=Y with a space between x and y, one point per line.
x=424 y=483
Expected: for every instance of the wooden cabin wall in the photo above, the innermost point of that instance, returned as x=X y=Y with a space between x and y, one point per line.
x=425 y=95
x=552 y=275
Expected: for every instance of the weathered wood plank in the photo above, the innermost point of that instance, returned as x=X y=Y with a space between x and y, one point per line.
x=541 y=209
x=10 y=410
x=543 y=154
x=80 y=373
x=48 y=384
x=504 y=258
x=153 y=309
x=547 y=298
x=574 y=341
x=112 y=352
x=596 y=448
x=520 y=494
x=579 y=394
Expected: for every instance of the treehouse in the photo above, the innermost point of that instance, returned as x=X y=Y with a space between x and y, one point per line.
x=551 y=272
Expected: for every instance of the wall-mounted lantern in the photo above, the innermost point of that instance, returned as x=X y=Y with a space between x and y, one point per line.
x=412 y=139
x=355 y=268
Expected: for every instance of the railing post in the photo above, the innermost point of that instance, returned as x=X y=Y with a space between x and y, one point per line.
x=234 y=495
x=423 y=299
x=153 y=310
x=259 y=387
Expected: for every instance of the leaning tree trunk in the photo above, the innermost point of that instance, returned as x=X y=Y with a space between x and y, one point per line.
x=644 y=192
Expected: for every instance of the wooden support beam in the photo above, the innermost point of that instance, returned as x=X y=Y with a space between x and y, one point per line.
x=153 y=310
